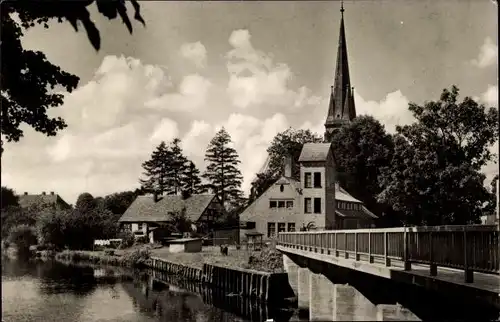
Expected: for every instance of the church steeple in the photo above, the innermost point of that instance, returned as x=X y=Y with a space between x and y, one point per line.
x=341 y=109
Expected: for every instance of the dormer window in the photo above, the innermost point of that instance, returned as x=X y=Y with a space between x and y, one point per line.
x=282 y=188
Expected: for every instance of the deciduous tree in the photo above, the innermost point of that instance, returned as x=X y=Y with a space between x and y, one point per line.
x=434 y=177
x=8 y=198
x=286 y=143
x=119 y=202
x=28 y=78
x=361 y=149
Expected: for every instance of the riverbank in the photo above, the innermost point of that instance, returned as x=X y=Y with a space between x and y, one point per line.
x=268 y=260
x=128 y=258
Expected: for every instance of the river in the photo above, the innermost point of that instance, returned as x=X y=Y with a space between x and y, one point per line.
x=53 y=291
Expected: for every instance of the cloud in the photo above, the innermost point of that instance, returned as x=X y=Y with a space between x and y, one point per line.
x=390 y=111
x=488 y=54
x=193 y=90
x=490 y=97
x=255 y=80
x=196 y=52
x=252 y=138
x=116 y=118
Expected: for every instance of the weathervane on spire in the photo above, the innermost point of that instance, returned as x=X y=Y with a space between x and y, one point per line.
x=342 y=7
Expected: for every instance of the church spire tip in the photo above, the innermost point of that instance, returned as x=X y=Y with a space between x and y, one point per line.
x=342 y=7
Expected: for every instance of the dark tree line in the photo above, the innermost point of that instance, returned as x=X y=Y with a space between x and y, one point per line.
x=169 y=172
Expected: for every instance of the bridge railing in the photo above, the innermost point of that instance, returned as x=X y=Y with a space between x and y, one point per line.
x=470 y=248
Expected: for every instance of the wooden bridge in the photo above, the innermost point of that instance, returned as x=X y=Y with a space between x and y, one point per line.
x=439 y=257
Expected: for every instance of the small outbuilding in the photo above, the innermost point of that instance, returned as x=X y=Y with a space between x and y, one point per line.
x=254 y=240
x=185 y=245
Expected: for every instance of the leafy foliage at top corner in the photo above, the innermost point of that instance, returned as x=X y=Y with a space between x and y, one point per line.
x=28 y=78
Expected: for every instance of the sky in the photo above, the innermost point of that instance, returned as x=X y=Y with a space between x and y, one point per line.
x=255 y=68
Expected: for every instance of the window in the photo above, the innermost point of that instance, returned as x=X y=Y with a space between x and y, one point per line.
x=281 y=227
x=317 y=205
x=317 y=179
x=307 y=180
x=282 y=188
x=250 y=224
x=307 y=205
x=271 y=229
x=281 y=204
x=139 y=226
x=291 y=226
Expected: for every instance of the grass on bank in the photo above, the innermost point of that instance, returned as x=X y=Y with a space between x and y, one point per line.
x=267 y=260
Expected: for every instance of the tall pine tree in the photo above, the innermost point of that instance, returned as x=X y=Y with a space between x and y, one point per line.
x=156 y=170
x=222 y=173
x=176 y=172
x=191 y=181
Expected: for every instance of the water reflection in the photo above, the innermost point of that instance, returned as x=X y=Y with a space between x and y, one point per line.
x=52 y=291
x=246 y=309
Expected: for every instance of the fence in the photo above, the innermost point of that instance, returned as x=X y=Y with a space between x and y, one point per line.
x=230 y=236
x=470 y=248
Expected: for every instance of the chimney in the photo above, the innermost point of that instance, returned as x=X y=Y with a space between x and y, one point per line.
x=155 y=196
x=337 y=186
x=43 y=193
x=25 y=193
x=287 y=166
x=52 y=193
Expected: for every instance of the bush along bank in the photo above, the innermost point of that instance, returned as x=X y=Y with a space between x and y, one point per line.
x=135 y=259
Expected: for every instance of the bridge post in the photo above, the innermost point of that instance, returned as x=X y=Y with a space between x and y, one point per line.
x=407 y=262
x=468 y=272
x=322 y=298
x=303 y=288
x=432 y=265
x=292 y=270
x=351 y=305
x=390 y=312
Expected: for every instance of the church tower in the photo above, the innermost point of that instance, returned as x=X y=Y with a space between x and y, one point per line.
x=341 y=109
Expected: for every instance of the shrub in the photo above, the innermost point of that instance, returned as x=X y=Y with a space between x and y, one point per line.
x=141 y=240
x=138 y=257
x=23 y=236
x=128 y=239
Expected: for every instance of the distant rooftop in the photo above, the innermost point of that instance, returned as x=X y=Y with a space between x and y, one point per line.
x=314 y=152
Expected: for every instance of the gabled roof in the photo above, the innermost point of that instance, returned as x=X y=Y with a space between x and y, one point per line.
x=343 y=195
x=362 y=214
x=196 y=205
x=314 y=152
x=145 y=209
x=30 y=200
